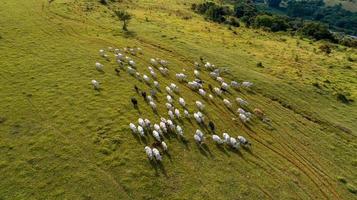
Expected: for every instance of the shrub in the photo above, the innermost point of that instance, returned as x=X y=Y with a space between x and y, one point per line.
x=260 y=64
x=274 y=23
x=273 y=3
x=216 y=14
x=347 y=41
x=325 y=48
x=202 y=8
x=316 y=31
x=304 y=8
x=351 y=188
x=212 y=11
x=343 y=98
x=104 y=2
x=233 y=21
x=247 y=9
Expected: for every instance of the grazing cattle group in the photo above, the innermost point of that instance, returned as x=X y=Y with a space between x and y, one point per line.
x=173 y=123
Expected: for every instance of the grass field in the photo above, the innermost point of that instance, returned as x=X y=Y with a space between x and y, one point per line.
x=350 y=5
x=60 y=139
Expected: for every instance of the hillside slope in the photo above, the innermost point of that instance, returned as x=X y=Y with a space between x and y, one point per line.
x=350 y=5
x=60 y=139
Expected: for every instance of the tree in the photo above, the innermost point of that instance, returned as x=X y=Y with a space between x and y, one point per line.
x=274 y=23
x=316 y=31
x=303 y=8
x=247 y=9
x=217 y=13
x=273 y=3
x=123 y=16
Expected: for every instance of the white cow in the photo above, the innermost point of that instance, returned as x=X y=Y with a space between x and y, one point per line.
x=200 y=105
x=133 y=127
x=217 y=139
x=196 y=73
x=169 y=99
x=164 y=146
x=132 y=63
x=156 y=84
x=171 y=114
x=156 y=135
x=227 y=103
x=234 y=84
x=99 y=66
x=247 y=84
x=242 y=140
x=96 y=84
x=226 y=137
x=241 y=102
x=182 y=102
x=177 y=113
x=168 y=90
x=169 y=106
x=141 y=131
x=186 y=113
x=149 y=152
x=153 y=62
x=156 y=154
x=202 y=92
x=153 y=105
x=179 y=130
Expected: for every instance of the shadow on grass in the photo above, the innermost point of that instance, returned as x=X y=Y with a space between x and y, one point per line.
x=136 y=136
x=155 y=112
x=247 y=125
x=138 y=109
x=248 y=149
x=168 y=155
x=221 y=148
x=236 y=151
x=189 y=120
x=144 y=140
x=129 y=34
x=204 y=150
x=158 y=167
x=185 y=142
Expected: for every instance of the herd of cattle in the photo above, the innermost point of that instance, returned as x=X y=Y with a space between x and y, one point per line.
x=168 y=125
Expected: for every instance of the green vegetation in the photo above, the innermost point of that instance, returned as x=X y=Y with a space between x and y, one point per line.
x=336 y=17
x=60 y=139
x=251 y=15
x=273 y=23
x=316 y=31
x=273 y=3
x=123 y=16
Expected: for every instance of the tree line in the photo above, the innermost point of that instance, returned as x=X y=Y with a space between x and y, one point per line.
x=251 y=15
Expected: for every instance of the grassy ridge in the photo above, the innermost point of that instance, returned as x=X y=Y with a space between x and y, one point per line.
x=348 y=5
x=61 y=139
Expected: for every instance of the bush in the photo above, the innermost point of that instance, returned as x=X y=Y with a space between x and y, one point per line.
x=247 y=9
x=104 y=2
x=216 y=13
x=348 y=41
x=273 y=3
x=202 y=8
x=212 y=11
x=304 y=8
x=343 y=98
x=325 y=48
x=274 y=23
x=260 y=64
x=233 y=21
x=316 y=31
